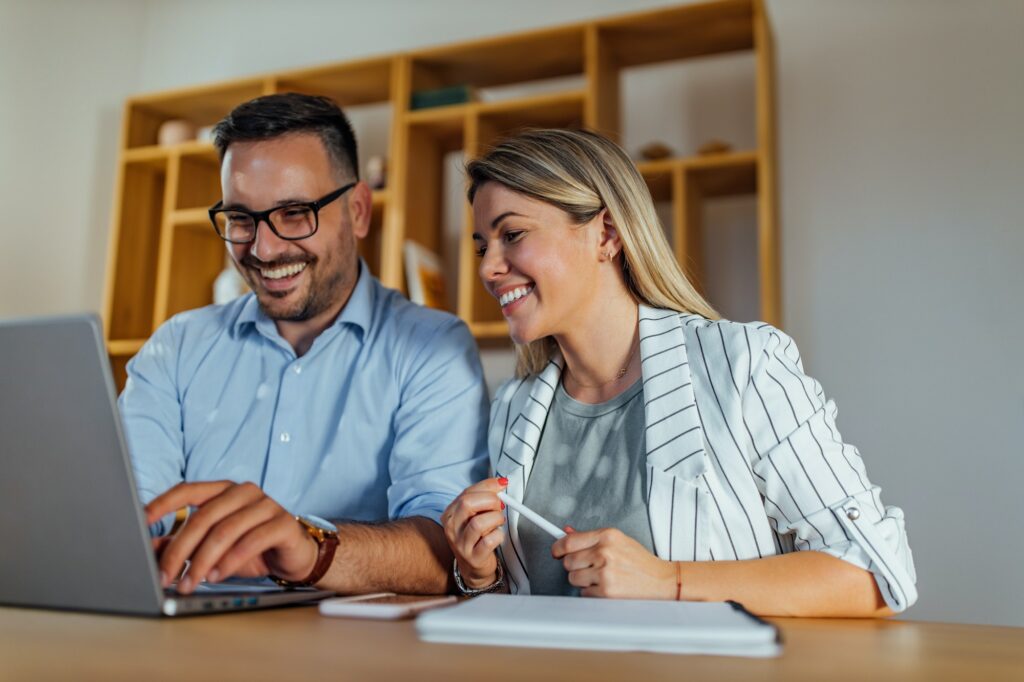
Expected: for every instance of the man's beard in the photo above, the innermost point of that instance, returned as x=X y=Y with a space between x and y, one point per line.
x=319 y=296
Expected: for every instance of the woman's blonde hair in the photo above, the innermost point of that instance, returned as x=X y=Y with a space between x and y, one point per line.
x=581 y=173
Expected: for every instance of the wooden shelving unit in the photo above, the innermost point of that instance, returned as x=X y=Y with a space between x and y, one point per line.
x=164 y=255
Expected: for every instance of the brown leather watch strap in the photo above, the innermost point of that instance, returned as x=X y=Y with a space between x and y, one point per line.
x=327 y=544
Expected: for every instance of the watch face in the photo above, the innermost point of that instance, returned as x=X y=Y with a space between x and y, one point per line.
x=317 y=522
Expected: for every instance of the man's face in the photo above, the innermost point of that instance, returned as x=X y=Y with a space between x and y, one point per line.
x=294 y=281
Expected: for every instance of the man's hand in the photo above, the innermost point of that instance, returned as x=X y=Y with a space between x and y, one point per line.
x=609 y=563
x=235 y=530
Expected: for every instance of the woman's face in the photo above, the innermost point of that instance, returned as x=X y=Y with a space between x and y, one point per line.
x=539 y=264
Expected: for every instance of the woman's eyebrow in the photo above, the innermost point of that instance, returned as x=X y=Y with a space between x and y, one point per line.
x=506 y=214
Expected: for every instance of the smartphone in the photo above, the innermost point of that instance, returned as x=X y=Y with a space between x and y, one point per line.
x=382 y=605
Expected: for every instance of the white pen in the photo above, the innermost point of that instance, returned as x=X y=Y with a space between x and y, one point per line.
x=542 y=523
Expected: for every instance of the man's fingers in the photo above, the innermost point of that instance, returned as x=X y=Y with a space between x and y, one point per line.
x=223 y=536
x=279 y=533
x=193 y=533
x=182 y=495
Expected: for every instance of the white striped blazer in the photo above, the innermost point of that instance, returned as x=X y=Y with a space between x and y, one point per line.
x=744 y=459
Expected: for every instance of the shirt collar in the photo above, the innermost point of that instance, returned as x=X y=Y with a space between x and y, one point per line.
x=358 y=311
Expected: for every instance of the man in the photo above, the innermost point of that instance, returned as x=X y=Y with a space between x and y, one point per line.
x=319 y=393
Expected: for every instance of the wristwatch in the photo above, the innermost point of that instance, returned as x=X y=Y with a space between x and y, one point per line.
x=326 y=535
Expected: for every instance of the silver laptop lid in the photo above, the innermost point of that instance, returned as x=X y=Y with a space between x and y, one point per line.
x=72 y=533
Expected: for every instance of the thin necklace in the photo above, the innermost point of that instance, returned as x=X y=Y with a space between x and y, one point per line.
x=621 y=373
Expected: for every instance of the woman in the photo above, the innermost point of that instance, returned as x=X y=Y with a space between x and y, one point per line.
x=692 y=455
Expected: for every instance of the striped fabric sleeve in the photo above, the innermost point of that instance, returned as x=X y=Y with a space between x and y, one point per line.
x=815 y=486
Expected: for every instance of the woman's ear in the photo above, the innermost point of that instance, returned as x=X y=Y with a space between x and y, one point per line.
x=610 y=245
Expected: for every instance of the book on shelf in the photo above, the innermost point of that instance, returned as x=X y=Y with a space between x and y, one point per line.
x=424 y=276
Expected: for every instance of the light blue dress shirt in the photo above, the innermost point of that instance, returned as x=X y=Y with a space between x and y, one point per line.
x=384 y=417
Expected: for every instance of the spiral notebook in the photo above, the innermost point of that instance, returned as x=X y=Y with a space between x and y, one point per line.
x=715 y=628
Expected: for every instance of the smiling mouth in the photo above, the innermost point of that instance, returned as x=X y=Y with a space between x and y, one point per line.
x=510 y=297
x=282 y=272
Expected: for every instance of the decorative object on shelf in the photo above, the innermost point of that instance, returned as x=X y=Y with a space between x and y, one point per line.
x=376 y=172
x=229 y=285
x=652 y=151
x=175 y=131
x=424 y=276
x=205 y=134
x=715 y=146
x=442 y=97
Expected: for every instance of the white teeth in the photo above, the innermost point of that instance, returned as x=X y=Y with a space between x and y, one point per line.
x=283 y=271
x=513 y=295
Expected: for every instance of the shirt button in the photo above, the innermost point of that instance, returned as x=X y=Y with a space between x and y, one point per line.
x=285 y=437
x=298 y=369
x=853 y=513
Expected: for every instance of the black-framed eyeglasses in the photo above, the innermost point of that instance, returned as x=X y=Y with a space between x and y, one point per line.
x=294 y=221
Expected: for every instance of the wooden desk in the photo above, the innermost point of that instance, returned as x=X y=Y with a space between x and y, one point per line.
x=297 y=643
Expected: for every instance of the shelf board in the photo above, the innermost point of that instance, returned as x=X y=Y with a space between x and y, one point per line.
x=489 y=330
x=123 y=347
x=534 y=55
x=716 y=175
x=154 y=157
x=446 y=122
x=562 y=109
x=366 y=81
x=679 y=33
x=379 y=198
x=197 y=149
x=191 y=217
x=203 y=104
x=557 y=109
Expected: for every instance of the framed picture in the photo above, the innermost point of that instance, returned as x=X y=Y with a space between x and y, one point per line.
x=424 y=276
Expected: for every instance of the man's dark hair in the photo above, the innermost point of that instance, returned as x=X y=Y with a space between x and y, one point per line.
x=271 y=116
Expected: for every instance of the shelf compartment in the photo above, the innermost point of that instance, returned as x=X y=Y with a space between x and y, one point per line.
x=198 y=181
x=488 y=62
x=136 y=252
x=363 y=82
x=679 y=33
x=197 y=257
x=201 y=106
x=724 y=175
x=370 y=245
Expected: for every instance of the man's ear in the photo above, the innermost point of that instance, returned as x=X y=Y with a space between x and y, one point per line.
x=610 y=244
x=360 y=207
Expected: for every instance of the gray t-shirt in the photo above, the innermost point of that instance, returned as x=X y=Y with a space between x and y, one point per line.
x=589 y=473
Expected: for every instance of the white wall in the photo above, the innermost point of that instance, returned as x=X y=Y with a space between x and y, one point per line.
x=66 y=68
x=900 y=148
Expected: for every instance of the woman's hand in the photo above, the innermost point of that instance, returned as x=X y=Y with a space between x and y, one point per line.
x=472 y=525
x=609 y=563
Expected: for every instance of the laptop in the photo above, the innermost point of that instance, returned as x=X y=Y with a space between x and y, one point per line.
x=73 y=533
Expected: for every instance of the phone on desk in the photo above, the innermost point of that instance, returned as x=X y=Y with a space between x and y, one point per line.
x=382 y=605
